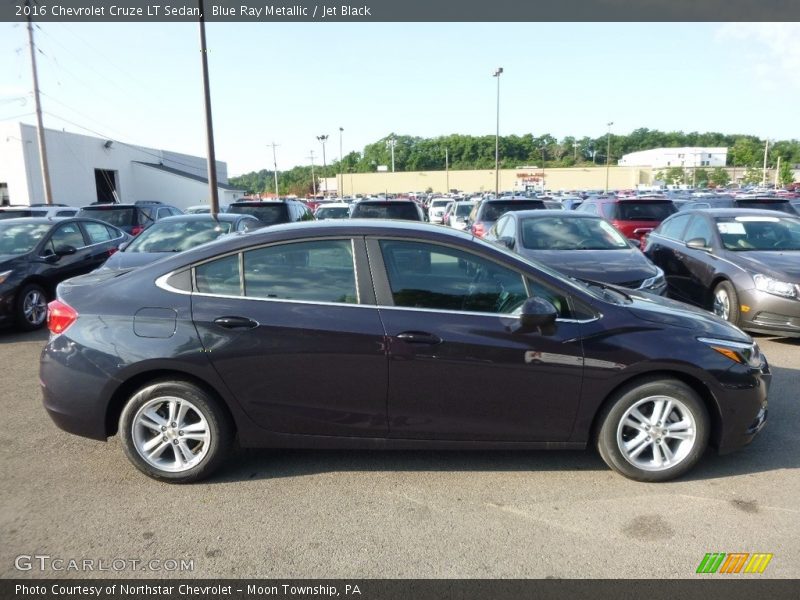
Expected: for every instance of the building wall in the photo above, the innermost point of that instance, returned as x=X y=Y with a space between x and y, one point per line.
x=153 y=184
x=590 y=178
x=659 y=158
x=73 y=159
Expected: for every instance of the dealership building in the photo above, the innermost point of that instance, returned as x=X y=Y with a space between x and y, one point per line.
x=85 y=169
x=664 y=158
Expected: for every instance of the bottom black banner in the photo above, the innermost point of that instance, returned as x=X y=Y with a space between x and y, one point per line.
x=403 y=589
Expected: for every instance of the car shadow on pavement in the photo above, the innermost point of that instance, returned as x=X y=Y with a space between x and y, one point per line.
x=13 y=336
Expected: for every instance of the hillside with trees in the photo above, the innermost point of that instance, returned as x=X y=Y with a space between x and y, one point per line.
x=477 y=152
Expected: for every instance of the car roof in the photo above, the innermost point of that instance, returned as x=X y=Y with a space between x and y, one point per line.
x=334 y=205
x=41 y=220
x=207 y=217
x=261 y=202
x=552 y=212
x=735 y=212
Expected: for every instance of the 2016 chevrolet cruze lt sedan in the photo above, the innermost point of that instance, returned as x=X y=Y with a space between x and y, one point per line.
x=377 y=334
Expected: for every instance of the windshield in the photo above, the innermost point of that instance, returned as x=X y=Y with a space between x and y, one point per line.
x=463 y=210
x=386 y=210
x=119 y=217
x=645 y=210
x=14 y=214
x=781 y=205
x=177 y=236
x=560 y=233
x=759 y=233
x=333 y=212
x=269 y=214
x=440 y=203
x=494 y=210
x=21 y=238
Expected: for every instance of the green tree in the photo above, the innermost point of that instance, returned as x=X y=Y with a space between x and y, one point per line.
x=719 y=176
x=786 y=175
x=700 y=177
x=752 y=175
x=672 y=176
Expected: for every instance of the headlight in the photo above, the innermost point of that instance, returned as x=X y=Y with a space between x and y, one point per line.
x=739 y=352
x=775 y=287
x=655 y=281
x=5 y=275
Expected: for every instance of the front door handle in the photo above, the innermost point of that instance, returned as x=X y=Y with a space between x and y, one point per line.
x=419 y=337
x=236 y=323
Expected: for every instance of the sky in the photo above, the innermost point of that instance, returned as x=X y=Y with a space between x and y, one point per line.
x=288 y=83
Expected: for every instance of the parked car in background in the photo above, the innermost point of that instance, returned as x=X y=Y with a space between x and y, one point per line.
x=130 y=218
x=634 y=217
x=487 y=211
x=37 y=253
x=744 y=265
x=53 y=210
x=436 y=209
x=273 y=212
x=178 y=234
x=406 y=210
x=579 y=245
x=459 y=214
x=205 y=347
x=757 y=202
x=333 y=210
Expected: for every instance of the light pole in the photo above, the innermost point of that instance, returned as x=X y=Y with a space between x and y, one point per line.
x=575 y=146
x=313 y=178
x=390 y=143
x=497 y=72
x=447 y=170
x=544 y=148
x=341 y=165
x=764 y=178
x=608 y=152
x=322 y=139
x=275 y=168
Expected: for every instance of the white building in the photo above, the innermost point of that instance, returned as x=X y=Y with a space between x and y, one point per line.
x=85 y=169
x=664 y=158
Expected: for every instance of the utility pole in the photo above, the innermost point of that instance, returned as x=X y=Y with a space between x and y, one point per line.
x=447 y=170
x=212 y=158
x=777 y=172
x=275 y=169
x=391 y=143
x=48 y=192
x=608 y=152
x=313 y=178
x=497 y=72
x=341 y=166
x=322 y=139
x=764 y=177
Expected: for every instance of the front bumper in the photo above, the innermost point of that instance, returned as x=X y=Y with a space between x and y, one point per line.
x=744 y=408
x=767 y=313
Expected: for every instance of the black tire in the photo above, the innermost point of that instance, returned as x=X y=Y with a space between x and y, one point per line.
x=25 y=320
x=209 y=454
x=611 y=434
x=725 y=289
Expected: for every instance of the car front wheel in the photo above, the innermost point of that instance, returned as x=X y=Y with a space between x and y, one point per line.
x=725 y=303
x=31 y=308
x=174 y=431
x=653 y=430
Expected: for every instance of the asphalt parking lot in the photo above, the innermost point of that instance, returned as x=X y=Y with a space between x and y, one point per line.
x=337 y=514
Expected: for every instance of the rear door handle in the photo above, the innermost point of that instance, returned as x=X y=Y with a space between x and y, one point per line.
x=419 y=337
x=236 y=323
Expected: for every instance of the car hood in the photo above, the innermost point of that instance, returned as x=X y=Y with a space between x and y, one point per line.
x=775 y=263
x=127 y=260
x=657 y=309
x=609 y=266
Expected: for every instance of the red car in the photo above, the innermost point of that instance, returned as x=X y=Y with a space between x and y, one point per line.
x=633 y=217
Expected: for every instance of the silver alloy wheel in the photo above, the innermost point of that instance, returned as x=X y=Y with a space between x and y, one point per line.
x=656 y=433
x=34 y=307
x=722 y=304
x=171 y=434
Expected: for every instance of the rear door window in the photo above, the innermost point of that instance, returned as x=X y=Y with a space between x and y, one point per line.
x=67 y=235
x=97 y=232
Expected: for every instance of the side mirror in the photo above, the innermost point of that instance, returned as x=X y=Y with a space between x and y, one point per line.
x=65 y=250
x=122 y=246
x=634 y=243
x=538 y=314
x=508 y=242
x=698 y=244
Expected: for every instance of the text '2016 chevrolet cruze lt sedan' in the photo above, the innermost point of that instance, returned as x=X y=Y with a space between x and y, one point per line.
x=377 y=334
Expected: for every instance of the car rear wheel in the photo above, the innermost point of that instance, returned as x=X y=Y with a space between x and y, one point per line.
x=174 y=431
x=653 y=430
x=31 y=307
x=725 y=303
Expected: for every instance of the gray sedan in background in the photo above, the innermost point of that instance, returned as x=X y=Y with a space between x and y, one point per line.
x=743 y=264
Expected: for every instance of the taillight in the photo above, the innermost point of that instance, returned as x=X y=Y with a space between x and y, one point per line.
x=137 y=229
x=478 y=229
x=60 y=316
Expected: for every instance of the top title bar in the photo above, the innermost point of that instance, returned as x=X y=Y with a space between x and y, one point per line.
x=366 y=11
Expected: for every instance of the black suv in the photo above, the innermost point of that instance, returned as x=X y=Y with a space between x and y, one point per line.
x=273 y=212
x=131 y=218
